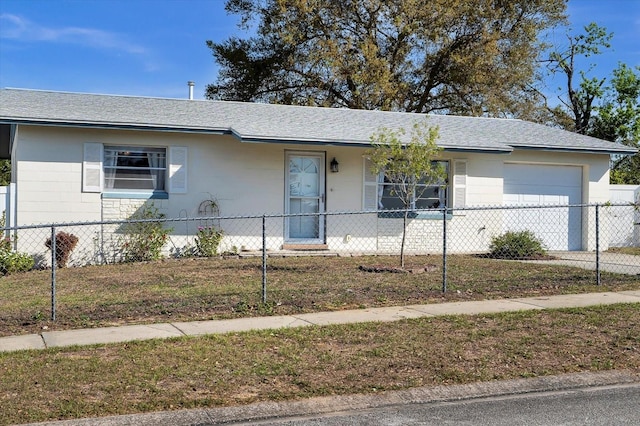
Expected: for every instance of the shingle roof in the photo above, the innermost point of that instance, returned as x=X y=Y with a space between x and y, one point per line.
x=283 y=123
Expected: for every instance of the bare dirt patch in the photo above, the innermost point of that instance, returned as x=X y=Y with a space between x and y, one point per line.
x=398 y=270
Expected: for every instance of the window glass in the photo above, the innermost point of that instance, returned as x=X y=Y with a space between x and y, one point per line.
x=425 y=196
x=134 y=168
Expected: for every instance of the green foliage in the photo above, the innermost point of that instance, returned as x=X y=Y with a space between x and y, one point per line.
x=610 y=112
x=407 y=164
x=618 y=120
x=578 y=101
x=207 y=241
x=12 y=261
x=5 y=172
x=144 y=236
x=65 y=243
x=626 y=171
x=469 y=57
x=618 y=115
x=516 y=245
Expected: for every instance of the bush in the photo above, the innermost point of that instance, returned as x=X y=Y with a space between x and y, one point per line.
x=143 y=241
x=65 y=243
x=12 y=261
x=207 y=241
x=517 y=245
x=5 y=244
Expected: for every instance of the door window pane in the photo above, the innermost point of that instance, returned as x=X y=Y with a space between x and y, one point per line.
x=304 y=226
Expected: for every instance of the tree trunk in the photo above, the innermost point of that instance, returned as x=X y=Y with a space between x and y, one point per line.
x=404 y=236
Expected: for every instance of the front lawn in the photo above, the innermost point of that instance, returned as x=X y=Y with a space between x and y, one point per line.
x=209 y=288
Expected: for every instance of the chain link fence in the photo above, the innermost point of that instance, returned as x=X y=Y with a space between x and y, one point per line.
x=473 y=250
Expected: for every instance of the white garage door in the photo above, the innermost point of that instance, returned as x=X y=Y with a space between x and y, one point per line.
x=535 y=185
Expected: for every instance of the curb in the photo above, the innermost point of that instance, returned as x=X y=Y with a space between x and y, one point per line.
x=330 y=404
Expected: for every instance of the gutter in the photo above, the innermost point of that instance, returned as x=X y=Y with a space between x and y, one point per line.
x=623 y=150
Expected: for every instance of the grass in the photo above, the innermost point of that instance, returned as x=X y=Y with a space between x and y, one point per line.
x=233 y=369
x=625 y=250
x=210 y=288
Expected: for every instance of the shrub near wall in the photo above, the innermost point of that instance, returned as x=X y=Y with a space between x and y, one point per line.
x=207 y=241
x=13 y=261
x=517 y=245
x=143 y=241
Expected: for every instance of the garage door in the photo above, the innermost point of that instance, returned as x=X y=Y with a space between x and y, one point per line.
x=535 y=185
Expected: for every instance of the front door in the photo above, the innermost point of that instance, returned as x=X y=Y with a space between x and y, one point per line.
x=305 y=194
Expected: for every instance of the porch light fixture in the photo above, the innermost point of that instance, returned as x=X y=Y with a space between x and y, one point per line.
x=334 y=165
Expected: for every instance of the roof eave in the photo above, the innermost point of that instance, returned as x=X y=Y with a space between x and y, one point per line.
x=356 y=143
x=116 y=126
x=591 y=150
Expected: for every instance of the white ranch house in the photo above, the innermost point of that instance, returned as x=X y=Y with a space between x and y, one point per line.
x=86 y=157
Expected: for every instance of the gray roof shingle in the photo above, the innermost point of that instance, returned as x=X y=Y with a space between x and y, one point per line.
x=283 y=123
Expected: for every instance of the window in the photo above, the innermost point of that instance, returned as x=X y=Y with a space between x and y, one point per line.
x=135 y=169
x=379 y=193
x=138 y=172
x=425 y=196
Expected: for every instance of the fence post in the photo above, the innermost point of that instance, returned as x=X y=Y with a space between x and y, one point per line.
x=264 y=258
x=444 y=250
x=53 y=273
x=597 y=244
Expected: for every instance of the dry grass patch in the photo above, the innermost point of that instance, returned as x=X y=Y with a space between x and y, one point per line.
x=625 y=250
x=234 y=369
x=210 y=288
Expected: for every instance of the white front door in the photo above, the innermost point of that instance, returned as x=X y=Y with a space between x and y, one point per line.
x=305 y=194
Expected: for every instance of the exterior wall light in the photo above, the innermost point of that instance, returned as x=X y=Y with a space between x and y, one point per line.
x=334 y=165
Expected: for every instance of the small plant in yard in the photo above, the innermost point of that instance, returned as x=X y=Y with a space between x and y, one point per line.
x=5 y=244
x=65 y=243
x=410 y=167
x=208 y=240
x=144 y=237
x=12 y=261
x=517 y=245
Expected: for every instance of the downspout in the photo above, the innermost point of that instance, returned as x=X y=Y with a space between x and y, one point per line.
x=12 y=213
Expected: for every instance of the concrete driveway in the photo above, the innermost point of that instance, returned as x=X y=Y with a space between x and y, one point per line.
x=610 y=262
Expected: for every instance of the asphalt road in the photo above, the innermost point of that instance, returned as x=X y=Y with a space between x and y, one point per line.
x=609 y=405
x=588 y=398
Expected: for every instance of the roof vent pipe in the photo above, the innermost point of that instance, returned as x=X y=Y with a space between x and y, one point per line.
x=191 y=84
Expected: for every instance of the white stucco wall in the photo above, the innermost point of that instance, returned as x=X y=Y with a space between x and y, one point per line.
x=249 y=179
x=49 y=178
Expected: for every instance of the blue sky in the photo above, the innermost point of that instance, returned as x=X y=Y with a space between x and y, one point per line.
x=153 y=47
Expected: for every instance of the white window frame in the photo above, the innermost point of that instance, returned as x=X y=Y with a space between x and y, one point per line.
x=443 y=190
x=93 y=179
x=157 y=173
x=456 y=197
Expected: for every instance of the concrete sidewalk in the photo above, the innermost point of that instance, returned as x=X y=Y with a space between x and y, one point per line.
x=91 y=336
